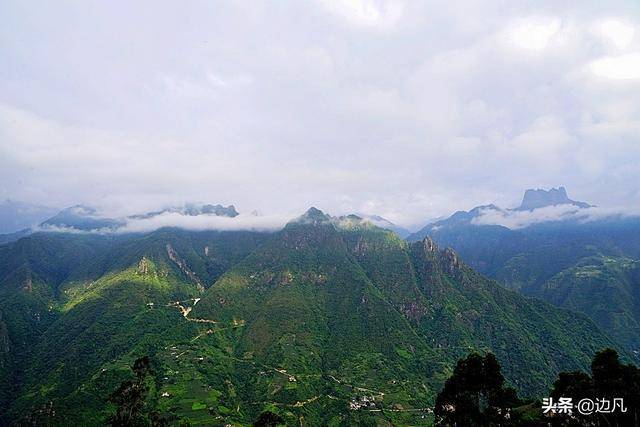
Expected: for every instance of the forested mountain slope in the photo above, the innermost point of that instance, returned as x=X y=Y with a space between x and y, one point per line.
x=324 y=321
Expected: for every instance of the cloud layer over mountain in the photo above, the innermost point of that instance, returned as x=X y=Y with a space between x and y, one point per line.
x=205 y=222
x=520 y=219
x=408 y=110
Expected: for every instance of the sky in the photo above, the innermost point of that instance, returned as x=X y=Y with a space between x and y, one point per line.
x=408 y=110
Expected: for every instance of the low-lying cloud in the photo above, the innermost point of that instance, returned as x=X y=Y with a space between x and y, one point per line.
x=205 y=222
x=515 y=219
x=200 y=222
x=242 y=222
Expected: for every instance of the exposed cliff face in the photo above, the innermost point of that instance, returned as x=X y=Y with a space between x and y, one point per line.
x=184 y=267
x=143 y=266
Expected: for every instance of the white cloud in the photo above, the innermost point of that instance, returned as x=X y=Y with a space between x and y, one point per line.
x=534 y=33
x=620 y=34
x=178 y=220
x=205 y=222
x=520 y=219
x=380 y=14
x=217 y=80
x=620 y=67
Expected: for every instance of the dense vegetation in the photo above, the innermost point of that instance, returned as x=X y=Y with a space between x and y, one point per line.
x=329 y=321
x=588 y=267
x=610 y=379
x=475 y=395
x=132 y=400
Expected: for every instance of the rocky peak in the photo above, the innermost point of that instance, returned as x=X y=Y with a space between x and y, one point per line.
x=452 y=259
x=143 y=266
x=429 y=245
x=539 y=198
x=313 y=216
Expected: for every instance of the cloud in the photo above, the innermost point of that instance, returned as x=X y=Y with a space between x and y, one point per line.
x=615 y=31
x=533 y=33
x=47 y=228
x=404 y=109
x=620 y=67
x=205 y=222
x=521 y=219
x=377 y=14
x=247 y=222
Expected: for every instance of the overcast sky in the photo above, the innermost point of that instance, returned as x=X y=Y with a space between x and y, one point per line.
x=407 y=110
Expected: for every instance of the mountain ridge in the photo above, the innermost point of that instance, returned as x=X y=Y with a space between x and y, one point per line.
x=334 y=311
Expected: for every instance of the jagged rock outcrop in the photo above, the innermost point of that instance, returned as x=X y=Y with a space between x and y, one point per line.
x=430 y=245
x=143 y=266
x=182 y=265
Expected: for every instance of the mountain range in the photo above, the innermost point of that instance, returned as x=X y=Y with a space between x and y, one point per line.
x=330 y=320
x=576 y=262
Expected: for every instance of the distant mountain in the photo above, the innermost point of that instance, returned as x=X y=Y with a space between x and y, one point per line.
x=459 y=221
x=16 y=216
x=83 y=218
x=534 y=199
x=324 y=320
x=193 y=209
x=587 y=266
x=86 y=218
x=386 y=224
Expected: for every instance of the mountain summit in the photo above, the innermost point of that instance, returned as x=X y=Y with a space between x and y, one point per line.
x=534 y=199
x=312 y=216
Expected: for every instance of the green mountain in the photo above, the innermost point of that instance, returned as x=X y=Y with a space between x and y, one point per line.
x=329 y=321
x=65 y=297
x=605 y=288
x=586 y=266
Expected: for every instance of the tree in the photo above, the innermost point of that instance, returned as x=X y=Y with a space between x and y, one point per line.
x=475 y=395
x=578 y=386
x=609 y=380
x=268 y=419
x=130 y=399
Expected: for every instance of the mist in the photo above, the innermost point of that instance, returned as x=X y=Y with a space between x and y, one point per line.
x=521 y=219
